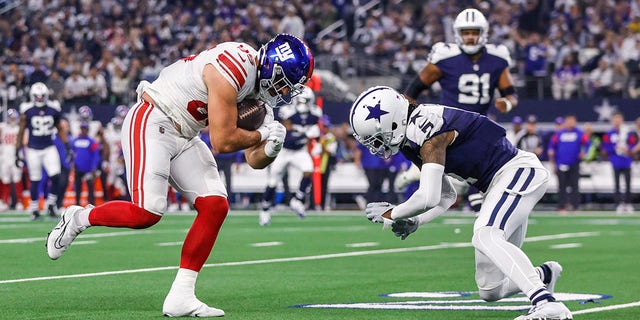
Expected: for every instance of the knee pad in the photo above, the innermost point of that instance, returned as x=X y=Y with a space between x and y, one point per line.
x=216 y=206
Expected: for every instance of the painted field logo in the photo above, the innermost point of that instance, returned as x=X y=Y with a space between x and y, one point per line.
x=455 y=301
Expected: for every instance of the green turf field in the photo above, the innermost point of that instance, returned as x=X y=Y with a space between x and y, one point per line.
x=332 y=261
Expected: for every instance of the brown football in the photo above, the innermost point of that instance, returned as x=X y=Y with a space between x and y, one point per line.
x=251 y=113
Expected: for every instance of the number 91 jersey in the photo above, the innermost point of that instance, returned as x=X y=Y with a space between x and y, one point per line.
x=465 y=84
x=41 y=123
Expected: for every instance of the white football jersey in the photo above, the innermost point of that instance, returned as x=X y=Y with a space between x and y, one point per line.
x=180 y=91
x=8 y=139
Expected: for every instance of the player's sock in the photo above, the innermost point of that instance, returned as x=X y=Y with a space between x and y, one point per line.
x=267 y=198
x=305 y=184
x=120 y=214
x=540 y=295
x=544 y=272
x=212 y=210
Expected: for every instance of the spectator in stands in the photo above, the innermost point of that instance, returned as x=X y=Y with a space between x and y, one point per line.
x=75 y=88
x=566 y=150
x=600 y=80
x=535 y=62
x=291 y=23
x=37 y=72
x=618 y=143
x=44 y=54
x=619 y=80
x=531 y=141
x=96 y=85
x=56 y=86
x=566 y=80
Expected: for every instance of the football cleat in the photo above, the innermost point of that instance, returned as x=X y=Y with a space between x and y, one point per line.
x=556 y=270
x=297 y=206
x=35 y=215
x=264 y=218
x=60 y=238
x=547 y=311
x=176 y=305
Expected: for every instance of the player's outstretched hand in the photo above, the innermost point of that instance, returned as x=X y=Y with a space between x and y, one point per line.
x=275 y=139
x=375 y=210
x=404 y=227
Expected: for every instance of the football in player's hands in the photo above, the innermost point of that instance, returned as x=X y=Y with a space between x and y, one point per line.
x=251 y=113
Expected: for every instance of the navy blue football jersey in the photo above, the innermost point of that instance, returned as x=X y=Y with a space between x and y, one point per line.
x=41 y=123
x=465 y=84
x=479 y=150
x=304 y=121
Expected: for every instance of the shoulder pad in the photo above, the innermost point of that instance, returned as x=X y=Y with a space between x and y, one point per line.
x=500 y=51
x=25 y=106
x=441 y=51
x=55 y=104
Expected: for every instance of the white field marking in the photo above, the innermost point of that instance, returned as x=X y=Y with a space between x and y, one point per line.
x=563 y=236
x=362 y=244
x=85 y=242
x=457 y=221
x=290 y=259
x=560 y=296
x=87 y=236
x=266 y=244
x=386 y=306
x=607 y=308
x=566 y=246
x=169 y=244
x=15 y=226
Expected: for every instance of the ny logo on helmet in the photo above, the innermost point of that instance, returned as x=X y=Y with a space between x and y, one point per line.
x=284 y=52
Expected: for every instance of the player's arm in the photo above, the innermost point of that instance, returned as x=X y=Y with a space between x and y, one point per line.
x=423 y=81
x=509 y=99
x=429 y=193
x=223 y=113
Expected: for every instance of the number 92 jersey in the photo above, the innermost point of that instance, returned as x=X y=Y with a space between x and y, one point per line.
x=41 y=122
x=465 y=84
x=479 y=150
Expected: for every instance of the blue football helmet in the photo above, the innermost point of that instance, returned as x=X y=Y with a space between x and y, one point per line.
x=286 y=64
x=85 y=113
x=121 y=111
x=13 y=115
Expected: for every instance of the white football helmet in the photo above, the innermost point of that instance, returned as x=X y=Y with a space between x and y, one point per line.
x=379 y=120
x=39 y=94
x=305 y=100
x=471 y=19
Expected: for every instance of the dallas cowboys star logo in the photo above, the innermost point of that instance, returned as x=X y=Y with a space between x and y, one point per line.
x=375 y=112
x=605 y=110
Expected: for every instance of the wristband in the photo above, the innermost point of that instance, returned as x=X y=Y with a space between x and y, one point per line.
x=264 y=132
x=271 y=149
x=509 y=105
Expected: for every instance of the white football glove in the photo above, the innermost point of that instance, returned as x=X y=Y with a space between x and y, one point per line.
x=275 y=139
x=375 y=210
x=264 y=128
x=404 y=227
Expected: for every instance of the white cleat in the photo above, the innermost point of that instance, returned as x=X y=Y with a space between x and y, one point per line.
x=556 y=270
x=188 y=306
x=297 y=206
x=60 y=238
x=265 y=218
x=547 y=311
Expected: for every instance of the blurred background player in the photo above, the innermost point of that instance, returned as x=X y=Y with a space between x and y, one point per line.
x=301 y=121
x=41 y=117
x=10 y=174
x=618 y=143
x=469 y=72
x=86 y=162
x=113 y=163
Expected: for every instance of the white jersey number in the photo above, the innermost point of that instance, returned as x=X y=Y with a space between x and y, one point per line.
x=42 y=126
x=474 y=89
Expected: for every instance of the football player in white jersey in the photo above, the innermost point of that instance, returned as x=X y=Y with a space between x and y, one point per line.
x=446 y=143
x=301 y=120
x=161 y=147
x=113 y=165
x=469 y=72
x=10 y=174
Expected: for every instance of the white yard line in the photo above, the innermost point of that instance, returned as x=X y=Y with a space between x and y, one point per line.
x=88 y=236
x=291 y=259
x=607 y=308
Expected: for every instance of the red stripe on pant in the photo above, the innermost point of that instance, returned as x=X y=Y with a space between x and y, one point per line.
x=137 y=144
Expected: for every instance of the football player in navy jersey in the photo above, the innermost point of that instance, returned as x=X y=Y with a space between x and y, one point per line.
x=451 y=143
x=41 y=117
x=469 y=71
x=301 y=120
